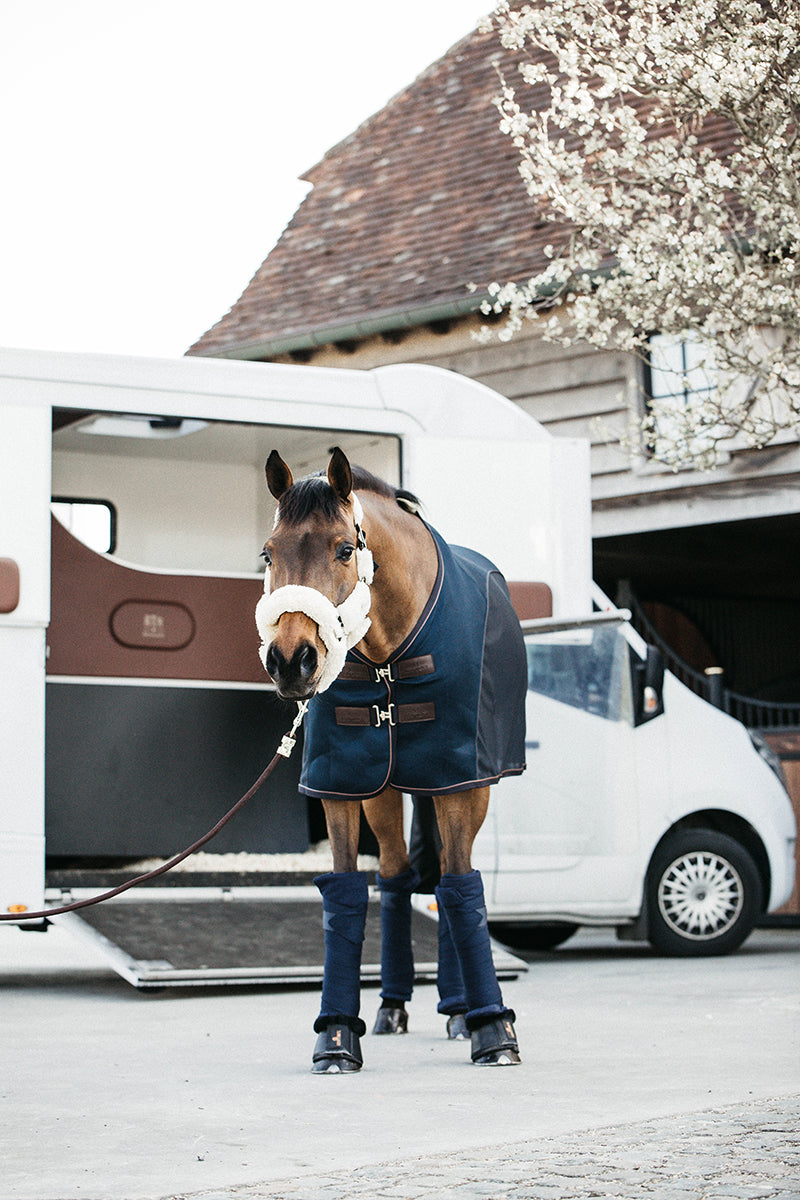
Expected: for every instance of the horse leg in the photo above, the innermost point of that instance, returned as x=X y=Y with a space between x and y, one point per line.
x=396 y=881
x=344 y=906
x=460 y=894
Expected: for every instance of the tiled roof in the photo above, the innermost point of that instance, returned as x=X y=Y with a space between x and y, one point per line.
x=421 y=201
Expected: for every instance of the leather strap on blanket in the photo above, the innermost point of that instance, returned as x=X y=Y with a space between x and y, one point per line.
x=395 y=714
x=407 y=668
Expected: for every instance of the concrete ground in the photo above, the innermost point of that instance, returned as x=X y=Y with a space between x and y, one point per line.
x=641 y=1076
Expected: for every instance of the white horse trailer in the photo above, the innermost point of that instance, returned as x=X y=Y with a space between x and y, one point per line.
x=134 y=709
x=134 y=706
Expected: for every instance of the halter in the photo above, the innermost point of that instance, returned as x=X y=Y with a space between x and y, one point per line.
x=340 y=626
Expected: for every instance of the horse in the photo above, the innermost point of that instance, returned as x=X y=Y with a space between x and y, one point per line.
x=412 y=662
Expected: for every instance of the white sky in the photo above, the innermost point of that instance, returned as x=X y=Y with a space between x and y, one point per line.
x=150 y=149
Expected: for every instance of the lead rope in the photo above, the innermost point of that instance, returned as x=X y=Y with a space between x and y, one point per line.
x=284 y=750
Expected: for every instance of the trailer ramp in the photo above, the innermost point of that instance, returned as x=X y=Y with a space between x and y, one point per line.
x=238 y=936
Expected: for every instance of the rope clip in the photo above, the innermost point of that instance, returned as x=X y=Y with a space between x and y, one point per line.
x=289 y=739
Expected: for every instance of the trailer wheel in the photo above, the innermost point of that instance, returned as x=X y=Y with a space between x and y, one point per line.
x=704 y=894
x=533 y=936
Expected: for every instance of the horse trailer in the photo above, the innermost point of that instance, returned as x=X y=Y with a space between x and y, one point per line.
x=135 y=709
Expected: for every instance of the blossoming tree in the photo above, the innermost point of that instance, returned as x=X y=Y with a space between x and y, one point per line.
x=662 y=140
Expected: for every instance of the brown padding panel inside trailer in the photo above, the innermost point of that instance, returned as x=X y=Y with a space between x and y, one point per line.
x=113 y=620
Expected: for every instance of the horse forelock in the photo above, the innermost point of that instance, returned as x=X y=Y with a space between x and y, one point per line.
x=313 y=494
x=308 y=496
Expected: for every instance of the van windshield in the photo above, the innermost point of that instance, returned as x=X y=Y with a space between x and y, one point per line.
x=585 y=668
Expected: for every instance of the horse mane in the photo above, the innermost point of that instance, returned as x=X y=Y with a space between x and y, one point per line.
x=313 y=494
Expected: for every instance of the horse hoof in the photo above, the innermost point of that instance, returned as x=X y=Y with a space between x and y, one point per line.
x=391 y=1020
x=494 y=1044
x=337 y=1050
x=498 y=1058
x=333 y=1066
x=457 y=1027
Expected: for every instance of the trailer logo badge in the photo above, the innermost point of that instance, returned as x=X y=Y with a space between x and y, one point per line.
x=153 y=626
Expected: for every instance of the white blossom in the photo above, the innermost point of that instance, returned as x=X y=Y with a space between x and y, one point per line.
x=703 y=231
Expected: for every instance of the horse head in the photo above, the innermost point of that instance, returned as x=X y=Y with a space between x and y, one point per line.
x=317 y=590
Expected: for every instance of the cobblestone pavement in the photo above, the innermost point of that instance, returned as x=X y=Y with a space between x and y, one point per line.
x=739 y=1152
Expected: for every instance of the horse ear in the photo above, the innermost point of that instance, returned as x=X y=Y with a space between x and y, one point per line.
x=340 y=477
x=279 y=477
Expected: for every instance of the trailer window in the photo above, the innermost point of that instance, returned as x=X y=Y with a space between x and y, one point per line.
x=94 y=522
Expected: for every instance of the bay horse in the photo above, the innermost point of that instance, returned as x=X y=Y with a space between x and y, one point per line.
x=413 y=661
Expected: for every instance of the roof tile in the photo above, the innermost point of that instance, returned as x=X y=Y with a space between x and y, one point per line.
x=421 y=201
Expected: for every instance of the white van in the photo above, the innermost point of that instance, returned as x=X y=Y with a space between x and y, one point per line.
x=643 y=807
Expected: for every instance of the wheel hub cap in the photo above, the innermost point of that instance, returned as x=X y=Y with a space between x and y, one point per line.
x=700 y=895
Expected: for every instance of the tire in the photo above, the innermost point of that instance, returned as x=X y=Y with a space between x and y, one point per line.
x=531 y=937
x=704 y=894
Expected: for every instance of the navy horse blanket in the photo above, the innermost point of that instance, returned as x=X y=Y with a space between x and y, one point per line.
x=444 y=714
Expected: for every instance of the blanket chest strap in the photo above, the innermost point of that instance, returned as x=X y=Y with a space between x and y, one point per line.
x=408 y=668
x=401 y=714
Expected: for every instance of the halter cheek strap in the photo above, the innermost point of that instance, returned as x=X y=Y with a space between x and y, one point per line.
x=340 y=626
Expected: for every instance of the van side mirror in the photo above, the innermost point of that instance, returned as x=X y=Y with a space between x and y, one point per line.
x=648 y=685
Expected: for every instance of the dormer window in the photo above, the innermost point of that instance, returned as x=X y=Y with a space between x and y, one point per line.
x=680 y=381
x=680 y=368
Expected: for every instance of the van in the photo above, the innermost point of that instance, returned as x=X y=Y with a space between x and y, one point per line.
x=643 y=806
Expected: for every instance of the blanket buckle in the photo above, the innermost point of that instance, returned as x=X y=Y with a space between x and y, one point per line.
x=382 y=715
x=384 y=673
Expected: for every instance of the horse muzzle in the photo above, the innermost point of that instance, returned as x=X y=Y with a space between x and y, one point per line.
x=294 y=678
x=308 y=619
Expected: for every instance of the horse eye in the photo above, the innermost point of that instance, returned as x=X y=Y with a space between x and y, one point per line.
x=267 y=557
x=345 y=552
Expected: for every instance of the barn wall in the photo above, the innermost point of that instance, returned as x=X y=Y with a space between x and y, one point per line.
x=581 y=391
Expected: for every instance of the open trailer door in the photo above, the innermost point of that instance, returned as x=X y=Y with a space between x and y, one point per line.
x=238 y=936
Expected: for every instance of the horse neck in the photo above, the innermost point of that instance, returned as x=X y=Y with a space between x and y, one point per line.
x=406 y=565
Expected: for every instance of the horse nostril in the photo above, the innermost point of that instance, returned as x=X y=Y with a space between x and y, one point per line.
x=307 y=662
x=275 y=662
x=291 y=675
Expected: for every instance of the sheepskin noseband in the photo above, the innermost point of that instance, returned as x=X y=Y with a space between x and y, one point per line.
x=340 y=626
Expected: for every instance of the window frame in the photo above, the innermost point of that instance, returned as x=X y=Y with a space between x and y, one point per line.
x=93 y=501
x=682 y=375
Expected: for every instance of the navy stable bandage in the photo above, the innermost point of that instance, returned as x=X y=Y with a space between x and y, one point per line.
x=462 y=898
x=449 y=980
x=344 y=907
x=397 y=956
